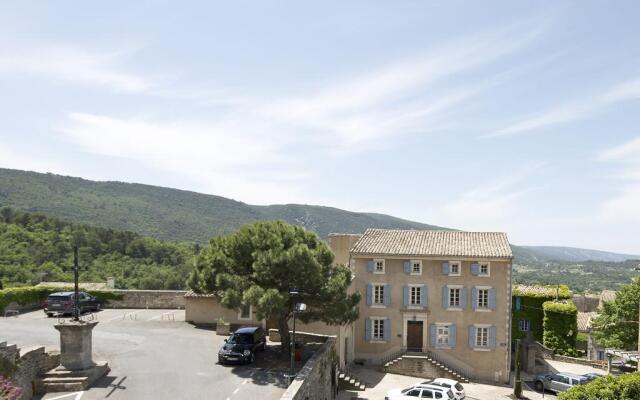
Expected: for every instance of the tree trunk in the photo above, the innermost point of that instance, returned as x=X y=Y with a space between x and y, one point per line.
x=285 y=338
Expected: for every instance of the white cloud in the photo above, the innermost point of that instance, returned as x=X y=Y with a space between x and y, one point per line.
x=64 y=63
x=575 y=110
x=624 y=206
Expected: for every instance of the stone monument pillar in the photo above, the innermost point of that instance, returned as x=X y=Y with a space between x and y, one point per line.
x=77 y=370
x=75 y=345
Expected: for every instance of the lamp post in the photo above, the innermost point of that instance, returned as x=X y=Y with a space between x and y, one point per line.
x=76 y=300
x=298 y=308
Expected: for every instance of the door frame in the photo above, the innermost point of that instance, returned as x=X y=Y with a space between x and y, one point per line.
x=425 y=328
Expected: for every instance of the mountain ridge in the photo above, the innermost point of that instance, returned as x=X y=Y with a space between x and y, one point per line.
x=176 y=214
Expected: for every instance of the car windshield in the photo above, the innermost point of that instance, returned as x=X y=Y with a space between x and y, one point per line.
x=240 y=339
x=459 y=387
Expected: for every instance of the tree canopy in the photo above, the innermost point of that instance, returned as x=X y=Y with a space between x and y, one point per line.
x=617 y=324
x=260 y=264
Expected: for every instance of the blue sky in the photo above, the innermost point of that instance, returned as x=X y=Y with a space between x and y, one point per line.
x=514 y=116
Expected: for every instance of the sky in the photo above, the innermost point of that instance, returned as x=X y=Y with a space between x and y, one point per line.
x=521 y=117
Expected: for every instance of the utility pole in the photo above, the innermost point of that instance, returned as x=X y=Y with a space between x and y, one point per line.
x=76 y=299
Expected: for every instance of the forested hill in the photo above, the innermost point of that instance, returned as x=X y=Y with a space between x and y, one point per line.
x=36 y=248
x=166 y=213
x=172 y=214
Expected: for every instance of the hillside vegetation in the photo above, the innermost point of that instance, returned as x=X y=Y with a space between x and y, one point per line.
x=35 y=248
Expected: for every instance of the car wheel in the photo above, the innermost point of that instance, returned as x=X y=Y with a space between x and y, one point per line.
x=539 y=386
x=49 y=315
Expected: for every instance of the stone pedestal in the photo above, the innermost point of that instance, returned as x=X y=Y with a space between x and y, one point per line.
x=77 y=370
x=75 y=345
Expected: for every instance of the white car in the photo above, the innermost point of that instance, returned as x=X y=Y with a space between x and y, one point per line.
x=421 y=391
x=455 y=386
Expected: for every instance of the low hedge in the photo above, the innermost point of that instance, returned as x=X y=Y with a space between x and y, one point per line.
x=38 y=294
x=560 y=325
x=610 y=387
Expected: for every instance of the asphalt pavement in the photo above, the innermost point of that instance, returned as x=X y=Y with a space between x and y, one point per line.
x=154 y=354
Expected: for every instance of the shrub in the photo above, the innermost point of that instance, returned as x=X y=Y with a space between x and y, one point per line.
x=530 y=300
x=560 y=326
x=38 y=294
x=8 y=391
x=610 y=387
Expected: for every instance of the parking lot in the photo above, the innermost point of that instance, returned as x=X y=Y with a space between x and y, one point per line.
x=154 y=354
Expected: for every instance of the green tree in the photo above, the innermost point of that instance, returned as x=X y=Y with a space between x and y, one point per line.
x=261 y=263
x=617 y=324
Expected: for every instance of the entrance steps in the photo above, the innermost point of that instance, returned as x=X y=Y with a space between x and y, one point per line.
x=423 y=366
x=346 y=381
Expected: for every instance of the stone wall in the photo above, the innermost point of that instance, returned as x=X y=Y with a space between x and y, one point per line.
x=168 y=299
x=31 y=363
x=318 y=379
x=301 y=337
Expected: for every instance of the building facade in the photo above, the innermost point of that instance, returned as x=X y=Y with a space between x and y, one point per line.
x=443 y=292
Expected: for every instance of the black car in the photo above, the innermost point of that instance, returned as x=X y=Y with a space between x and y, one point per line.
x=241 y=346
x=62 y=303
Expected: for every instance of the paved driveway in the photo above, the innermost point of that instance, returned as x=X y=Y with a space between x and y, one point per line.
x=154 y=354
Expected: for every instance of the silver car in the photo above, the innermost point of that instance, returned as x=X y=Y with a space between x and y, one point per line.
x=559 y=382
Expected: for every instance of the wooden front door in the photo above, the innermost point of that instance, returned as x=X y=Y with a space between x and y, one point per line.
x=414 y=335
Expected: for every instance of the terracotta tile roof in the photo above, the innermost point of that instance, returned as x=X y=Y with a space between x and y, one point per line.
x=433 y=243
x=584 y=320
x=191 y=293
x=607 y=295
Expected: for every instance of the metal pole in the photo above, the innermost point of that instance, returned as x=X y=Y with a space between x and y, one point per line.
x=76 y=300
x=638 y=362
x=293 y=345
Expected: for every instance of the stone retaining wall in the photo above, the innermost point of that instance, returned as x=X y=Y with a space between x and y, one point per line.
x=31 y=363
x=168 y=299
x=318 y=378
x=301 y=337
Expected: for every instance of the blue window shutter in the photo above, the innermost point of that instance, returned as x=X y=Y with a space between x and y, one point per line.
x=452 y=335
x=472 y=336
x=463 y=298
x=492 y=337
x=445 y=297
x=387 y=330
x=445 y=268
x=432 y=334
x=369 y=294
x=424 y=295
x=367 y=330
x=492 y=299
x=474 y=298
x=370 y=265
x=407 y=267
x=405 y=295
x=518 y=303
x=387 y=295
x=475 y=269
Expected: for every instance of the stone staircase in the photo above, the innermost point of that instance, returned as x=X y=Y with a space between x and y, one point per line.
x=62 y=380
x=348 y=382
x=423 y=366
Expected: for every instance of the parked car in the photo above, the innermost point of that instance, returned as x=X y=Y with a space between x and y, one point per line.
x=559 y=382
x=421 y=391
x=455 y=386
x=241 y=346
x=592 y=376
x=62 y=303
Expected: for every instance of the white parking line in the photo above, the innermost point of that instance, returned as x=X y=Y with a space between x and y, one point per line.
x=236 y=391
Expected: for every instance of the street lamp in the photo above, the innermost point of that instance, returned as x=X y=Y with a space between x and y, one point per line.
x=298 y=308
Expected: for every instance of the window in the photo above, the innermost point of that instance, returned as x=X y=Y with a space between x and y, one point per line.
x=415 y=295
x=482 y=337
x=426 y=394
x=442 y=335
x=600 y=355
x=414 y=393
x=454 y=267
x=483 y=298
x=378 y=266
x=523 y=325
x=245 y=312
x=378 y=329
x=454 y=297
x=416 y=267
x=484 y=269
x=378 y=294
